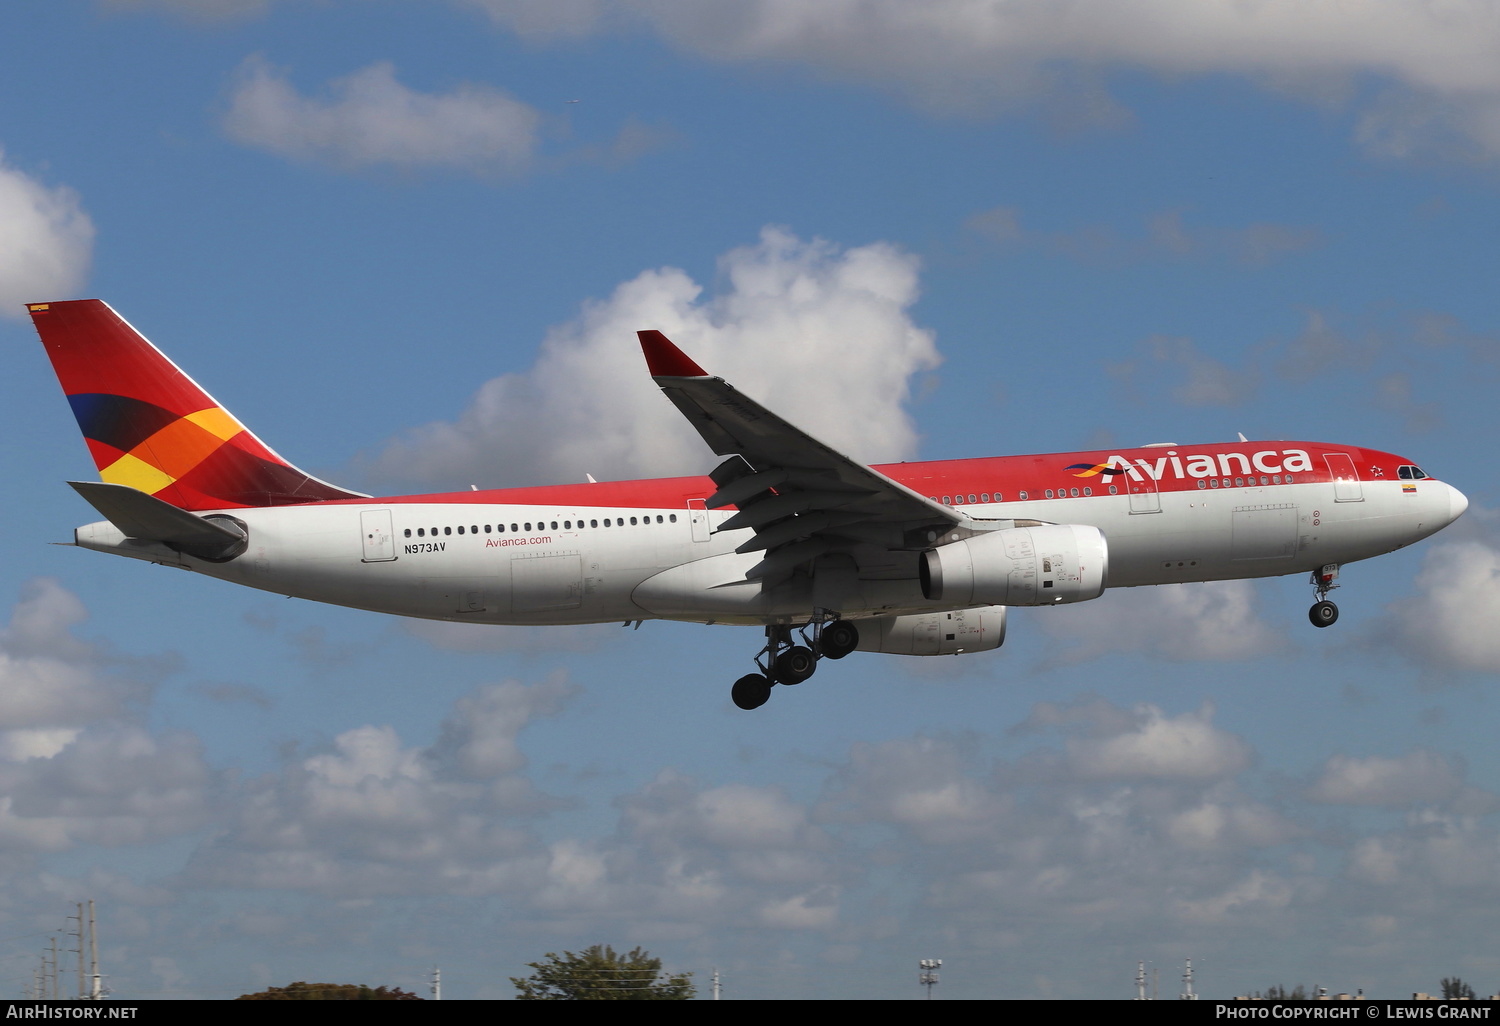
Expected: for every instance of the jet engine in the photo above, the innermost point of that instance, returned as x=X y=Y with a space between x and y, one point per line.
x=947 y=633
x=1021 y=566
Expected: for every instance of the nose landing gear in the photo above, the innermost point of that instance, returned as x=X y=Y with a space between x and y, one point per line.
x=783 y=661
x=1324 y=613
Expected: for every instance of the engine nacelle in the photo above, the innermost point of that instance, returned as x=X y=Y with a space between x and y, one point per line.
x=923 y=634
x=1022 y=566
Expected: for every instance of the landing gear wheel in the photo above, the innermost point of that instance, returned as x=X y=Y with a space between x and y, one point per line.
x=794 y=665
x=1323 y=614
x=839 y=639
x=751 y=691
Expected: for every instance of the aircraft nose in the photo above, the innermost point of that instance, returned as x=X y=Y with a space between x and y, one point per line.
x=1457 y=503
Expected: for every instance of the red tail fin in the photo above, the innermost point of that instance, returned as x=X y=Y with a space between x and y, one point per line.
x=149 y=425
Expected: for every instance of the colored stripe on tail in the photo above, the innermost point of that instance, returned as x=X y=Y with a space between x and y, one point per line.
x=150 y=427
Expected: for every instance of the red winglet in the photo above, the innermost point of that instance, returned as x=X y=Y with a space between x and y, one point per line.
x=665 y=360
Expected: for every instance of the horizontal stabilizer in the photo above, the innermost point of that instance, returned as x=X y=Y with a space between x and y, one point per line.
x=147 y=518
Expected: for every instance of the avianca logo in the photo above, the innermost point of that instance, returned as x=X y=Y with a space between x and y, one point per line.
x=1094 y=469
x=1199 y=465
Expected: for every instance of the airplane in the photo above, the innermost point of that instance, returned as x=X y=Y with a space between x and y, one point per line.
x=826 y=554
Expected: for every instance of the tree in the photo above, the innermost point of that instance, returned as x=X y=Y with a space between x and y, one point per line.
x=598 y=974
x=301 y=991
x=1454 y=988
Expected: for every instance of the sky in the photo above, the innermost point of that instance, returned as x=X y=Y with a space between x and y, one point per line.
x=408 y=242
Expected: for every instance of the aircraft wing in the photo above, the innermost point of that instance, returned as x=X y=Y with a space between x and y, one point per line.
x=801 y=497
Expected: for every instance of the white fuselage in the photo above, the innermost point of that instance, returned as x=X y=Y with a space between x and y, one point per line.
x=668 y=563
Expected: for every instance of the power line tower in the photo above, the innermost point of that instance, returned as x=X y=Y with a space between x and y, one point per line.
x=1140 y=981
x=929 y=975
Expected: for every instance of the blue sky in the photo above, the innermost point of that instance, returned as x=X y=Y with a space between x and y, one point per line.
x=380 y=233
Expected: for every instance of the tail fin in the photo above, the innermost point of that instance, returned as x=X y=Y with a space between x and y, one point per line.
x=149 y=426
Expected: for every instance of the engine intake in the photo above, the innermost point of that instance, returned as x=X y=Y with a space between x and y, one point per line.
x=1022 y=566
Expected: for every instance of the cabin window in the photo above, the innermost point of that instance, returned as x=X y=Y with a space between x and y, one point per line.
x=528 y=527
x=408 y=532
x=1114 y=490
x=486 y=528
x=447 y=530
x=1088 y=491
x=554 y=525
x=632 y=522
x=1049 y=493
x=593 y=523
x=1202 y=483
x=1239 y=482
x=1023 y=496
x=473 y=529
x=460 y=528
x=673 y=518
x=1073 y=492
x=947 y=500
x=972 y=498
x=984 y=496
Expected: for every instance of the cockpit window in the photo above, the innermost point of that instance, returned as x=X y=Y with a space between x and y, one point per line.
x=1410 y=473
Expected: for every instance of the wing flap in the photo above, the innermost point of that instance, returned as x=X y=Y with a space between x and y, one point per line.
x=801 y=497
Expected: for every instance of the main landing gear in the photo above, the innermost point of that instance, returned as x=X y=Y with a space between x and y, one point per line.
x=784 y=661
x=1324 y=613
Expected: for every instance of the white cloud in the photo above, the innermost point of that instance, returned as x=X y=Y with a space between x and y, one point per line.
x=1206 y=381
x=1215 y=621
x=373 y=816
x=1216 y=824
x=795 y=317
x=369 y=118
x=74 y=767
x=198 y=8
x=1258 y=891
x=693 y=856
x=1185 y=747
x=50 y=680
x=46 y=241
x=112 y=784
x=1168 y=235
x=922 y=785
x=1451 y=620
x=1420 y=776
x=1442 y=60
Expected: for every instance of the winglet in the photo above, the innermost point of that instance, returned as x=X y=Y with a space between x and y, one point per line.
x=665 y=360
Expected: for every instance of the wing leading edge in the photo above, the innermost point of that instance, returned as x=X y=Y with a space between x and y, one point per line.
x=802 y=498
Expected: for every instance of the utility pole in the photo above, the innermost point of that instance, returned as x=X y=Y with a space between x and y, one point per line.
x=96 y=988
x=929 y=976
x=1187 y=983
x=79 y=950
x=717 y=989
